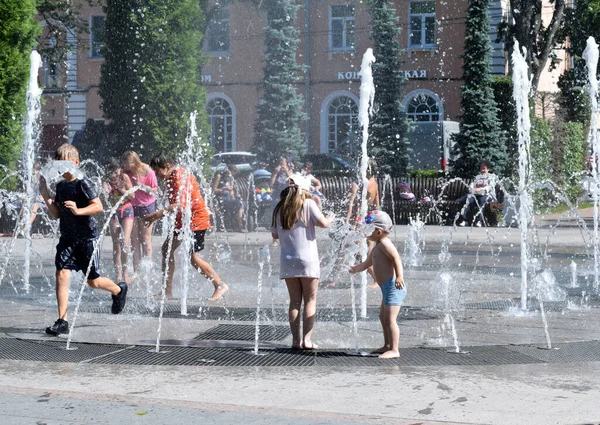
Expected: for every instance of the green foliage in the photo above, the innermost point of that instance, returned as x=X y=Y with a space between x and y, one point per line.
x=541 y=148
x=279 y=111
x=568 y=156
x=427 y=173
x=507 y=116
x=480 y=137
x=557 y=154
x=575 y=105
x=151 y=75
x=389 y=126
x=18 y=31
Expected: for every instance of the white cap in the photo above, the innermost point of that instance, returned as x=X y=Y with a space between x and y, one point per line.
x=299 y=180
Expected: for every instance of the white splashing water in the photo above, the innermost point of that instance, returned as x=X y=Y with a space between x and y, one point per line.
x=521 y=91
x=367 y=94
x=590 y=54
x=32 y=132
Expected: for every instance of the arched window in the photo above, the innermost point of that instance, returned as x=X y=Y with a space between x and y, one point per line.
x=423 y=106
x=342 y=125
x=220 y=115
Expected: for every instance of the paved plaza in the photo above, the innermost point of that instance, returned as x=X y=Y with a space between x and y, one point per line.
x=469 y=353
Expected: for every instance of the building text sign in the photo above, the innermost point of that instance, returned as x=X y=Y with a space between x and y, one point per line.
x=408 y=73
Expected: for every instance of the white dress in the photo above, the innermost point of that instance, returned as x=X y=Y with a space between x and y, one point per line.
x=299 y=254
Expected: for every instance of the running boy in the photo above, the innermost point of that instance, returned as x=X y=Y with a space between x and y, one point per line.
x=74 y=205
x=177 y=193
x=388 y=272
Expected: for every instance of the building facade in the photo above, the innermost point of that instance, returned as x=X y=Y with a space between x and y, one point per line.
x=334 y=34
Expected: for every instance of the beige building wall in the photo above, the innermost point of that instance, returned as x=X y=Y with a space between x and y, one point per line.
x=235 y=75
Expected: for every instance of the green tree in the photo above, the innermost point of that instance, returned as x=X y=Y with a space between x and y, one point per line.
x=480 y=137
x=527 y=27
x=151 y=74
x=18 y=32
x=507 y=116
x=389 y=127
x=581 y=21
x=277 y=127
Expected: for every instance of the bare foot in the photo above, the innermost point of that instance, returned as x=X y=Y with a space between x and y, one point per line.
x=380 y=350
x=275 y=243
x=309 y=345
x=390 y=355
x=374 y=285
x=219 y=292
x=296 y=346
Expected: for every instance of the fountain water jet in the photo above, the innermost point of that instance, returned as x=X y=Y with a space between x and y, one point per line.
x=367 y=95
x=521 y=92
x=590 y=54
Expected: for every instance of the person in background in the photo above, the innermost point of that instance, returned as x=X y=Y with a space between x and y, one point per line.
x=482 y=192
x=116 y=185
x=223 y=187
x=315 y=184
x=372 y=194
x=293 y=224
x=143 y=203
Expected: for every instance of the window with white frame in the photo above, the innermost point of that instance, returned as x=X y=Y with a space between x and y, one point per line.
x=96 y=36
x=217 y=31
x=423 y=108
x=422 y=24
x=220 y=116
x=342 y=124
x=341 y=27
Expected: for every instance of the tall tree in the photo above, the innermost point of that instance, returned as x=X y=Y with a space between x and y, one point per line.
x=277 y=127
x=389 y=127
x=480 y=137
x=581 y=21
x=151 y=75
x=527 y=28
x=18 y=31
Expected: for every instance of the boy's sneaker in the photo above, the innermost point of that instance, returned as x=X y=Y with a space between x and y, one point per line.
x=59 y=327
x=119 y=300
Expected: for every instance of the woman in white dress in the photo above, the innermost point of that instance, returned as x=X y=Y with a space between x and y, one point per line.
x=294 y=221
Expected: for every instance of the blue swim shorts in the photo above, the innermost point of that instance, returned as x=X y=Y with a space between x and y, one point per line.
x=391 y=294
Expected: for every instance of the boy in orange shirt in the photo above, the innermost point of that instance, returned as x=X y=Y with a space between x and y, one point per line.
x=180 y=183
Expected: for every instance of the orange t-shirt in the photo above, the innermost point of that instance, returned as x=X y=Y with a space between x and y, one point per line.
x=177 y=193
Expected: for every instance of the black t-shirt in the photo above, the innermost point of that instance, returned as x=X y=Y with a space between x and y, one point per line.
x=76 y=227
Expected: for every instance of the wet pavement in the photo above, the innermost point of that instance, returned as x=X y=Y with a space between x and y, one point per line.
x=207 y=371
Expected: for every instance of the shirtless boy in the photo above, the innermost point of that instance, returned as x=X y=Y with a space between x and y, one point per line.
x=389 y=275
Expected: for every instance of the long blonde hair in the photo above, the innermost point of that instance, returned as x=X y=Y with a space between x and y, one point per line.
x=138 y=169
x=289 y=206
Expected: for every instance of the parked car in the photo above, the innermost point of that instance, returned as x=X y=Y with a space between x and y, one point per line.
x=244 y=161
x=330 y=164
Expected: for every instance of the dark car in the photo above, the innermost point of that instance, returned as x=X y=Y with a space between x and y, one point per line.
x=328 y=164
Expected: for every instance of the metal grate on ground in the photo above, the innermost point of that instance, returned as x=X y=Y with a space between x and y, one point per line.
x=54 y=351
x=234 y=332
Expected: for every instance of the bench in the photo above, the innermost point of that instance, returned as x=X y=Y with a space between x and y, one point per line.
x=437 y=200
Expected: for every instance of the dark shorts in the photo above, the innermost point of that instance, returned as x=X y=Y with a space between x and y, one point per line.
x=78 y=255
x=124 y=214
x=143 y=210
x=198 y=244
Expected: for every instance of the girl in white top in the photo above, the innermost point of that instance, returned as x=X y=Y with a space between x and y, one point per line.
x=294 y=221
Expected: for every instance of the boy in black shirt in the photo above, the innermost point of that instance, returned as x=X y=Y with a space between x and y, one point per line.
x=75 y=204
